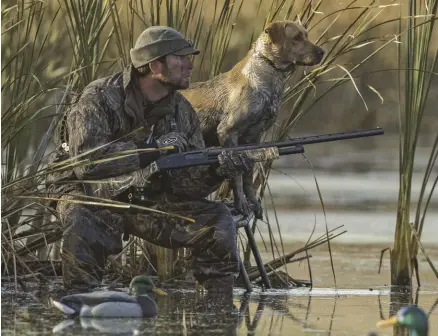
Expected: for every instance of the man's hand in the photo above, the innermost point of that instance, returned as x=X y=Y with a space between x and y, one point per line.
x=178 y=141
x=174 y=139
x=233 y=164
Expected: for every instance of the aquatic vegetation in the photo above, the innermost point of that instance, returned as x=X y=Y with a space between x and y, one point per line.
x=51 y=50
x=419 y=56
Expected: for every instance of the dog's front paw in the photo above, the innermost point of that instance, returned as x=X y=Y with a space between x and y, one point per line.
x=256 y=206
x=242 y=206
x=258 y=209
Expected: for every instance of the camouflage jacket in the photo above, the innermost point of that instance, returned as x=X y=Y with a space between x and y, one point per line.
x=110 y=113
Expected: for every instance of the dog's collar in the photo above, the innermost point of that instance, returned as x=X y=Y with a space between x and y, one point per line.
x=287 y=69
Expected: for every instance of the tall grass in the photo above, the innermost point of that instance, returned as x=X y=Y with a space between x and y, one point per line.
x=28 y=83
x=38 y=80
x=418 y=56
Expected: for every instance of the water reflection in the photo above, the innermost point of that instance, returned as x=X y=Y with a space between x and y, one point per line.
x=114 y=326
x=328 y=312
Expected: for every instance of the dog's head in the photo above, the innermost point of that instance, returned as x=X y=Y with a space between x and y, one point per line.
x=286 y=43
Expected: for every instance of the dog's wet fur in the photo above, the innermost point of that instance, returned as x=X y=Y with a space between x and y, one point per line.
x=238 y=106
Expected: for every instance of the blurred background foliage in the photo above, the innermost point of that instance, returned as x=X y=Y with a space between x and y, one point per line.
x=52 y=49
x=43 y=48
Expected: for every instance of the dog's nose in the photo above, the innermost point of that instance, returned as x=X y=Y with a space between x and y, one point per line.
x=320 y=52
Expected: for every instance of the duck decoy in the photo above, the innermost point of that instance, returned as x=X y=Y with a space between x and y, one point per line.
x=412 y=317
x=139 y=302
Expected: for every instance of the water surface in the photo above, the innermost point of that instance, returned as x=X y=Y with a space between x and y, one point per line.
x=362 y=203
x=362 y=297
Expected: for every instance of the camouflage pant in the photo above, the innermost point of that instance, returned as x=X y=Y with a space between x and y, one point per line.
x=93 y=233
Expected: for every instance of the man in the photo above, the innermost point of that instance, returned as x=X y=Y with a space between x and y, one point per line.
x=106 y=120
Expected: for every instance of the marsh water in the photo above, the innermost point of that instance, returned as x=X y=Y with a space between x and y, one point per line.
x=363 y=204
x=362 y=297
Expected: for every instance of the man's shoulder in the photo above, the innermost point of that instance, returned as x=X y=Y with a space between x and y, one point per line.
x=186 y=114
x=114 y=81
x=183 y=102
x=106 y=90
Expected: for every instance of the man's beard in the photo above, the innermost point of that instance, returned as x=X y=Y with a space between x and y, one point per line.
x=168 y=83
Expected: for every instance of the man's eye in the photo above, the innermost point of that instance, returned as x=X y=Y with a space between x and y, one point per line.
x=299 y=38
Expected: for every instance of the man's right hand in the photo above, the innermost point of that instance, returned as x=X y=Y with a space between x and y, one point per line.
x=175 y=139
x=178 y=141
x=233 y=164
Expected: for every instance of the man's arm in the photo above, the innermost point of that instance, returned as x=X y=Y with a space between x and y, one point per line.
x=90 y=126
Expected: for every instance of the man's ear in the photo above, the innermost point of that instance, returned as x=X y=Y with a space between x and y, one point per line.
x=275 y=30
x=156 y=67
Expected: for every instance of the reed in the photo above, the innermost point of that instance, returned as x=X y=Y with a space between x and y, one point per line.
x=418 y=56
x=27 y=88
x=39 y=82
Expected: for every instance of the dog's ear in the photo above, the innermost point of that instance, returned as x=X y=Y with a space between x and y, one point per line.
x=298 y=21
x=302 y=24
x=275 y=30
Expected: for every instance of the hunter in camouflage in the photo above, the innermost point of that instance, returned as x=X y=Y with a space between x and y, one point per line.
x=132 y=110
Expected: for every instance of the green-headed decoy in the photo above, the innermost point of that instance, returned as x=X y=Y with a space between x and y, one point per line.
x=137 y=303
x=412 y=317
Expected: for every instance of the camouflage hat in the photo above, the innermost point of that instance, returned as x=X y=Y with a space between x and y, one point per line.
x=159 y=41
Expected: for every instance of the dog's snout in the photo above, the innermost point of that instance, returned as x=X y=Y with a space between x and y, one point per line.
x=320 y=52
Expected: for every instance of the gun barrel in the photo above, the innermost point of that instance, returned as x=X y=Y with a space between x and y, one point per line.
x=291 y=150
x=293 y=146
x=305 y=140
x=331 y=137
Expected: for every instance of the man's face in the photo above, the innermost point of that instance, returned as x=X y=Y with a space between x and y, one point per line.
x=176 y=71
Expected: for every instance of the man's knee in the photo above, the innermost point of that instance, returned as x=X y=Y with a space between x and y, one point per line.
x=225 y=222
x=93 y=229
x=223 y=208
x=225 y=234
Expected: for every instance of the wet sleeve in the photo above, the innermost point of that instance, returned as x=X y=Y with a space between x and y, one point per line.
x=90 y=130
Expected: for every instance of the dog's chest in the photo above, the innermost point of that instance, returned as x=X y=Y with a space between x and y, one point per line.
x=265 y=89
x=264 y=116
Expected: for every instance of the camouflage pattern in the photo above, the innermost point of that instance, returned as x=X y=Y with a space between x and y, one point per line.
x=158 y=41
x=110 y=114
x=212 y=237
x=263 y=154
x=94 y=232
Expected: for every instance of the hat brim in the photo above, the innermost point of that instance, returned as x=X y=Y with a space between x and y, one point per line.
x=186 y=51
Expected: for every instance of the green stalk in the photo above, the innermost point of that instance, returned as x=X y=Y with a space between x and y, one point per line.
x=417 y=83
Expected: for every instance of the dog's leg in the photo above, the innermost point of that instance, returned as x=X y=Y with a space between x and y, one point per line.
x=228 y=138
x=240 y=201
x=248 y=186
x=250 y=194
